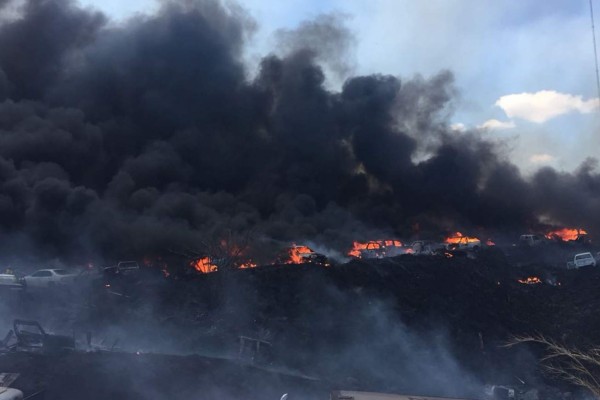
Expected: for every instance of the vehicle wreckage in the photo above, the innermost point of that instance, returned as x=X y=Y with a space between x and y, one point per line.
x=29 y=336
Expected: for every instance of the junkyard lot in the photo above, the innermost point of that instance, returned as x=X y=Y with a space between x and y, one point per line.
x=470 y=297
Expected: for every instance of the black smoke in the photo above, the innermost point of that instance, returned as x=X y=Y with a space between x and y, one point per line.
x=126 y=140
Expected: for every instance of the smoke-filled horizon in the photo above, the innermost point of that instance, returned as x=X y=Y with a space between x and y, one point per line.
x=120 y=141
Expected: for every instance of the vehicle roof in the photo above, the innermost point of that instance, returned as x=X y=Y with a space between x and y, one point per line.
x=50 y=269
x=583 y=254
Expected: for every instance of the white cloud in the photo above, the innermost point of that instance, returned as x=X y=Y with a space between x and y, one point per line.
x=541 y=158
x=544 y=105
x=459 y=127
x=495 y=124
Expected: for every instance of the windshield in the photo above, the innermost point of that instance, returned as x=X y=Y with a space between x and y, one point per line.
x=61 y=272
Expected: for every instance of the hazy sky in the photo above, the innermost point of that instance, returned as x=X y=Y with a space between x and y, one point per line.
x=524 y=69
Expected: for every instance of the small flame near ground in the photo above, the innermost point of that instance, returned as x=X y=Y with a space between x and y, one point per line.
x=532 y=280
x=205 y=265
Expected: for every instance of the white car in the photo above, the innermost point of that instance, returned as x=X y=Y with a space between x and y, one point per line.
x=582 y=260
x=45 y=278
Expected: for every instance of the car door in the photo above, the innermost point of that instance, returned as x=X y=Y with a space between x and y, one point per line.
x=39 y=279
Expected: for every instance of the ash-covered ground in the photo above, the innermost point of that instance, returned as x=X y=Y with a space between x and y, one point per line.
x=427 y=325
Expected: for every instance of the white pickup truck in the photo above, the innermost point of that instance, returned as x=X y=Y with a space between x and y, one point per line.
x=582 y=260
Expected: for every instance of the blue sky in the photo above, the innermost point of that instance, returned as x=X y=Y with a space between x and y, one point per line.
x=524 y=69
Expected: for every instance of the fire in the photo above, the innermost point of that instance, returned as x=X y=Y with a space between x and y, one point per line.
x=566 y=234
x=532 y=280
x=303 y=255
x=356 y=248
x=458 y=237
x=246 y=265
x=490 y=242
x=204 y=265
x=298 y=254
x=374 y=245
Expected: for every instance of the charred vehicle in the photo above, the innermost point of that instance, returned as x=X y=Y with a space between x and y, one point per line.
x=299 y=254
x=118 y=279
x=463 y=243
x=378 y=249
x=531 y=240
x=29 y=336
x=426 y=247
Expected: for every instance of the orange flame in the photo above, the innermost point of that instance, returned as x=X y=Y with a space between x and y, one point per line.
x=204 y=265
x=566 y=234
x=458 y=237
x=357 y=247
x=297 y=254
x=532 y=280
x=248 y=264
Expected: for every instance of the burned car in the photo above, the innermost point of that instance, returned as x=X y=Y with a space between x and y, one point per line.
x=123 y=268
x=378 y=249
x=426 y=247
x=299 y=254
x=463 y=243
x=29 y=336
x=531 y=240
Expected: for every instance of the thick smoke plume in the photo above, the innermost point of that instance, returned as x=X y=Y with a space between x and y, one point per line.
x=128 y=140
